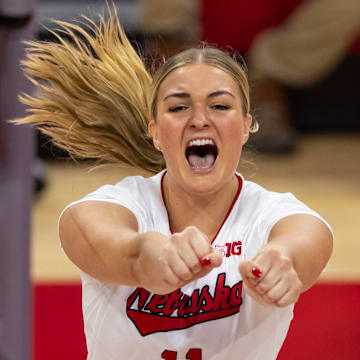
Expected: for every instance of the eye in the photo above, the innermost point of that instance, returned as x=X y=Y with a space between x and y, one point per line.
x=220 y=107
x=177 y=108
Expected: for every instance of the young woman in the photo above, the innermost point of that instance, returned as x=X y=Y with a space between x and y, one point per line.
x=193 y=262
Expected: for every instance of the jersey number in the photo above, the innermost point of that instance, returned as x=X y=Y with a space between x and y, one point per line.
x=192 y=354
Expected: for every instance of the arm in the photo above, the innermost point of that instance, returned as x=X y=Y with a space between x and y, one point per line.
x=101 y=239
x=298 y=249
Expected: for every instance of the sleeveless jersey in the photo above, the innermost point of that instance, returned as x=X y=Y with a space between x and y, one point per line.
x=209 y=319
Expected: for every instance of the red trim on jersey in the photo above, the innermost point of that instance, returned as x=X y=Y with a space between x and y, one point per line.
x=148 y=324
x=227 y=214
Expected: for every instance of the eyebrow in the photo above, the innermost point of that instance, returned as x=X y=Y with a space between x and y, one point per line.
x=220 y=92
x=183 y=95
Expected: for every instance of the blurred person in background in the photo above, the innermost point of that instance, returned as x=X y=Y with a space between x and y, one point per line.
x=170 y=26
x=16 y=185
x=288 y=44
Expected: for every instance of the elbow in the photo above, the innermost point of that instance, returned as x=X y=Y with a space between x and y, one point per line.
x=320 y=257
x=69 y=234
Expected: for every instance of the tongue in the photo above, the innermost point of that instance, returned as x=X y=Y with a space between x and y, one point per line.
x=201 y=162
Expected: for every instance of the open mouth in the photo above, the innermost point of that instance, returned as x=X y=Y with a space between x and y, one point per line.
x=201 y=154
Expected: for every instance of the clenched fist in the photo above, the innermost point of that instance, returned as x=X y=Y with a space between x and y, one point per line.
x=166 y=264
x=270 y=278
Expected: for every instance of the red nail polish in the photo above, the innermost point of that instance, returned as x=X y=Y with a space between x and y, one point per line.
x=256 y=272
x=205 y=261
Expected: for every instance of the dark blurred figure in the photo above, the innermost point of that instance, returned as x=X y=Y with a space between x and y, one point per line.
x=16 y=185
x=296 y=51
x=170 y=26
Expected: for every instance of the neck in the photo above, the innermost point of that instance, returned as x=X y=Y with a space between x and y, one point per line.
x=205 y=211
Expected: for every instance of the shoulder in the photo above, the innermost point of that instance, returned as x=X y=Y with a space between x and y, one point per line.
x=132 y=190
x=134 y=186
x=267 y=207
x=270 y=206
x=258 y=198
x=137 y=194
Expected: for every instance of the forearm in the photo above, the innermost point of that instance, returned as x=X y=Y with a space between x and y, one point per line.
x=103 y=241
x=93 y=242
x=307 y=242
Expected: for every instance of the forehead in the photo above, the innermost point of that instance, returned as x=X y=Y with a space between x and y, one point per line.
x=197 y=79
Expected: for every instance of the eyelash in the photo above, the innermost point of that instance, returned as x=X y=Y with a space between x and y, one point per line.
x=177 y=108
x=219 y=107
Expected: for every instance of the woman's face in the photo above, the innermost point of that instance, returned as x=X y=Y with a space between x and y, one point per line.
x=200 y=127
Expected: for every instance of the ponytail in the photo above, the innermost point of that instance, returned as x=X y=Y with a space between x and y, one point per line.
x=93 y=95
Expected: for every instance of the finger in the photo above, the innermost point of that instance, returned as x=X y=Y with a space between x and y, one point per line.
x=270 y=259
x=189 y=257
x=210 y=261
x=213 y=259
x=256 y=272
x=205 y=261
x=268 y=281
x=264 y=262
x=276 y=292
x=178 y=267
x=257 y=297
x=250 y=271
x=170 y=277
x=192 y=245
x=278 y=271
x=287 y=299
x=200 y=244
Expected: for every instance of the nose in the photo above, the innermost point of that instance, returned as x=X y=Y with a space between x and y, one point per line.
x=199 y=119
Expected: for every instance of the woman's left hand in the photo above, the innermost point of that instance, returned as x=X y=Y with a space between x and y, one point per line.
x=270 y=278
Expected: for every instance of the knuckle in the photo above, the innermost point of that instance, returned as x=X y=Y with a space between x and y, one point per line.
x=170 y=278
x=175 y=237
x=300 y=285
x=271 y=298
x=195 y=267
x=191 y=230
x=286 y=264
x=274 y=253
x=282 y=303
x=171 y=281
x=163 y=261
x=262 y=288
x=185 y=275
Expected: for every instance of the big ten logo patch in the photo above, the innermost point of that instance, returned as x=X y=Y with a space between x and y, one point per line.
x=229 y=249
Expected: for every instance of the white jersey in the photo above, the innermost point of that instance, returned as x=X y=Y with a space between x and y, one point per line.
x=210 y=318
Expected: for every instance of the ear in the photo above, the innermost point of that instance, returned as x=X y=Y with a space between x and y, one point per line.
x=247 y=126
x=152 y=128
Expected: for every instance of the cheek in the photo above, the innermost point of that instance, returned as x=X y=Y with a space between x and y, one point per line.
x=168 y=135
x=233 y=132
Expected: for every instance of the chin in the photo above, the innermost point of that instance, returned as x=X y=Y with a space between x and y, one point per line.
x=203 y=181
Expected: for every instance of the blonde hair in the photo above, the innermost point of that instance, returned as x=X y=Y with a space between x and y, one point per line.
x=96 y=97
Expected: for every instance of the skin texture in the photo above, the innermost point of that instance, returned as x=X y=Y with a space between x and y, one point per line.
x=195 y=101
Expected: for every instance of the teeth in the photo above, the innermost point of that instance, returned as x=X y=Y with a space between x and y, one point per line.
x=201 y=142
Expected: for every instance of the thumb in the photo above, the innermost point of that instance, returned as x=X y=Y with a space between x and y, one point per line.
x=208 y=263
x=213 y=259
x=250 y=270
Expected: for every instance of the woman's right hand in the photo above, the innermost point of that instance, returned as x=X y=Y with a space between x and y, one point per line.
x=165 y=264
